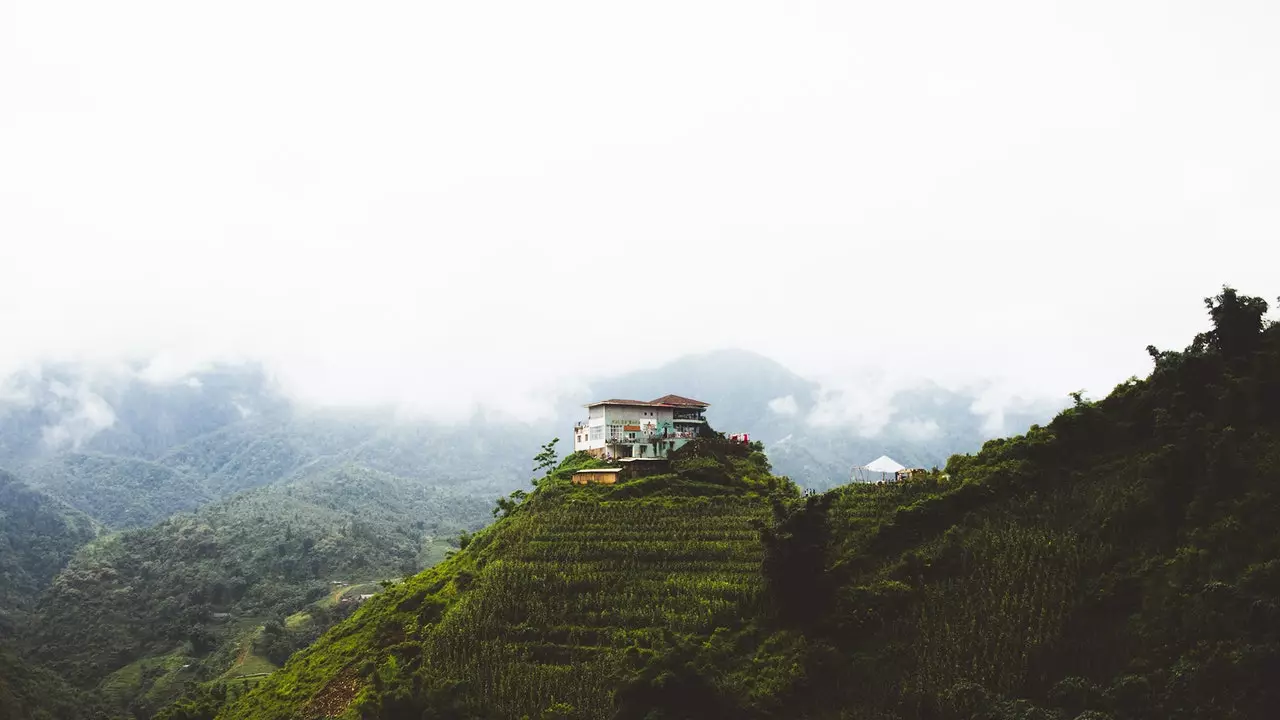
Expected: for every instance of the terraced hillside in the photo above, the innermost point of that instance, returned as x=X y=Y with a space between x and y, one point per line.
x=580 y=583
x=548 y=608
x=1119 y=563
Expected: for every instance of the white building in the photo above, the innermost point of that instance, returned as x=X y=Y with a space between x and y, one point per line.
x=635 y=428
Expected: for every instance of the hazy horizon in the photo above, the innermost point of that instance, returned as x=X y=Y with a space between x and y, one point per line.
x=444 y=205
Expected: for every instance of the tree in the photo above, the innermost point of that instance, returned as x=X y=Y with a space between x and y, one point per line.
x=506 y=505
x=202 y=641
x=1237 y=322
x=545 y=460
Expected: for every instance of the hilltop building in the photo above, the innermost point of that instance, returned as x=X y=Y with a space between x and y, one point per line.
x=639 y=429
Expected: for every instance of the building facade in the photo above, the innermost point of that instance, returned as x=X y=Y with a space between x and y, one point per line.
x=640 y=429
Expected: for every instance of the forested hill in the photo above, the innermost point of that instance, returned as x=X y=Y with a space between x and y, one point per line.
x=541 y=607
x=136 y=614
x=38 y=535
x=129 y=449
x=1119 y=562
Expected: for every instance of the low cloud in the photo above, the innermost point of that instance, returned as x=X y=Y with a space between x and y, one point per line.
x=917 y=429
x=1004 y=409
x=784 y=405
x=80 y=412
x=16 y=395
x=863 y=408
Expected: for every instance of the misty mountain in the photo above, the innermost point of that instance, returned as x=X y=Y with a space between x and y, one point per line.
x=738 y=384
x=124 y=410
x=117 y=491
x=129 y=450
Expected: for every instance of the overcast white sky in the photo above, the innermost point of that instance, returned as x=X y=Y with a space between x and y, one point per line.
x=447 y=201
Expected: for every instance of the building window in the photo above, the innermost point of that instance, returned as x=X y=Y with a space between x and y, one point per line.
x=597 y=432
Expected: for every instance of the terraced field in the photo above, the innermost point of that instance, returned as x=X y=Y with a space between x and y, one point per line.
x=580 y=583
x=543 y=611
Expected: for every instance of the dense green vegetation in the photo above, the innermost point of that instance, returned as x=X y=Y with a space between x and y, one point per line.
x=38 y=535
x=547 y=607
x=142 y=612
x=1119 y=562
x=30 y=692
x=119 y=492
x=138 y=616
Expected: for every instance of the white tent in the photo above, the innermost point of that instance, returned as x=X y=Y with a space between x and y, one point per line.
x=882 y=469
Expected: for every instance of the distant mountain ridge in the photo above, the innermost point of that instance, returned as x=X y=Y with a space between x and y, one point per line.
x=179 y=443
x=131 y=451
x=922 y=425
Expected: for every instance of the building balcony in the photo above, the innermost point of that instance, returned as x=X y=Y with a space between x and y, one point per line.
x=645 y=439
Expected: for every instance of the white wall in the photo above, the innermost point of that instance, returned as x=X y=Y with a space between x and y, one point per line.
x=599 y=418
x=596 y=419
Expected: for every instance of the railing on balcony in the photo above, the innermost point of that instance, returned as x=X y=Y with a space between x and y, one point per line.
x=651 y=438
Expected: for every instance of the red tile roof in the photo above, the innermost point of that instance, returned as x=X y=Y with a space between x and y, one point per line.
x=664 y=401
x=678 y=401
x=616 y=401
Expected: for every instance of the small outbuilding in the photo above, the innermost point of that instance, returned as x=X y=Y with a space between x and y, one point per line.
x=601 y=476
x=882 y=469
x=633 y=468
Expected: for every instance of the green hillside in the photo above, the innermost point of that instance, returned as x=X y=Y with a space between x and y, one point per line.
x=38 y=536
x=574 y=587
x=139 y=613
x=30 y=692
x=119 y=492
x=1119 y=562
